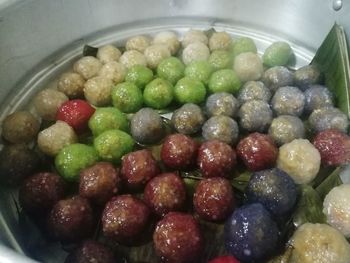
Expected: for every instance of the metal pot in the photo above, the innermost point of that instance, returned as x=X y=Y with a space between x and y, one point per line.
x=39 y=37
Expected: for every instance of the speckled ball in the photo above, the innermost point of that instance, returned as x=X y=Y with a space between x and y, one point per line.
x=222 y=103
x=188 y=119
x=255 y=115
x=286 y=128
x=288 y=100
x=277 y=77
x=222 y=128
x=317 y=96
x=254 y=90
x=328 y=118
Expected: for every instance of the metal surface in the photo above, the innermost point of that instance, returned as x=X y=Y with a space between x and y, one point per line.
x=39 y=39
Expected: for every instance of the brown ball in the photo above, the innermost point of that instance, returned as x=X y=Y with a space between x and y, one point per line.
x=20 y=127
x=138 y=168
x=124 y=219
x=99 y=182
x=213 y=199
x=91 y=251
x=179 y=151
x=71 y=219
x=165 y=193
x=216 y=159
x=40 y=192
x=177 y=238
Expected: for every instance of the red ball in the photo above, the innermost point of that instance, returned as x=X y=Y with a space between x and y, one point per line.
x=213 y=199
x=257 y=151
x=179 y=151
x=76 y=113
x=177 y=238
x=138 y=168
x=165 y=193
x=224 y=259
x=334 y=147
x=216 y=159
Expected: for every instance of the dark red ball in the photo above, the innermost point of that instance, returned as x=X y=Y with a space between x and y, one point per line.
x=179 y=151
x=124 y=219
x=216 y=159
x=213 y=199
x=164 y=193
x=224 y=259
x=177 y=238
x=257 y=151
x=334 y=147
x=138 y=168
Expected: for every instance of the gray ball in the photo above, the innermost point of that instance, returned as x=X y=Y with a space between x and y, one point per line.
x=254 y=90
x=222 y=103
x=188 y=119
x=277 y=77
x=255 y=115
x=222 y=128
x=328 y=118
x=307 y=75
x=288 y=100
x=317 y=96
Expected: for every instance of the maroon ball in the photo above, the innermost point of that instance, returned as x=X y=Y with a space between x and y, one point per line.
x=334 y=147
x=40 y=192
x=91 y=251
x=165 y=193
x=257 y=151
x=216 y=159
x=213 y=199
x=99 y=182
x=71 y=219
x=124 y=218
x=138 y=168
x=179 y=151
x=177 y=238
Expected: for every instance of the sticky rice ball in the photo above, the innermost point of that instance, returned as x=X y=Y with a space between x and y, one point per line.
x=328 y=118
x=336 y=207
x=317 y=96
x=132 y=57
x=193 y=36
x=47 y=102
x=196 y=51
x=114 y=71
x=319 y=243
x=169 y=39
x=248 y=66
x=254 y=90
x=155 y=54
x=288 y=100
x=97 y=91
x=71 y=84
x=255 y=115
x=108 y=53
x=220 y=40
x=277 y=77
x=139 y=43
x=87 y=67
x=300 y=160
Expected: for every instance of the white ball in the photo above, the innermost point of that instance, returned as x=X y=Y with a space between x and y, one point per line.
x=155 y=54
x=139 y=43
x=195 y=52
x=336 y=207
x=193 y=36
x=97 y=91
x=88 y=67
x=71 y=84
x=114 y=71
x=300 y=159
x=220 y=40
x=132 y=57
x=169 y=39
x=47 y=102
x=248 y=66
x=108 y=53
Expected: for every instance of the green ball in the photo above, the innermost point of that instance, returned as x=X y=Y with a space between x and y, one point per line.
x=127 y=97
x=224 y=80
x=139 y=75
x=243 y=45
x=220 y=59
x=277 y=54
x=73 y=158
x=171 y=69
x=188 y=90
x=200 y=70
x=108 y=118
x=158 y=94
x=113 y=144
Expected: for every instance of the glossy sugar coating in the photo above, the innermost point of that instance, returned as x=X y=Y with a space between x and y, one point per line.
x=177 y=238
x=300 y=160
x=97 y=91
x=133 y=57
x=336 y=207
x=158 y=94
x=188 y=119
x=139 y=75
x=248 y=66
x=317 y=96
x=171 y=69
x=307 y=75
x=108 y=53
x=243 y=45
x=194 y=35
x=286 y=128
x=274 y=189
x=222 y=128
x=147 y=126
x=139 y=43
x=169 y=39
x=155 y=53
x=200 y=70
x=288 y=100
x=279 y=53
x=47 y=102
x=222 y=103
x=277 y=77
x=319 y=243
x=255 y=115
x=127 y=97
x=254 y=90
x=220 y=41
x=328 y=118
x=87 y=67
x=220 y=59
x=114 y=71
x=196 y=51
x=250 y=233
x=71 y=84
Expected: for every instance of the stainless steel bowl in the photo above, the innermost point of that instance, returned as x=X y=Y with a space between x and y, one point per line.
x=40 y=38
